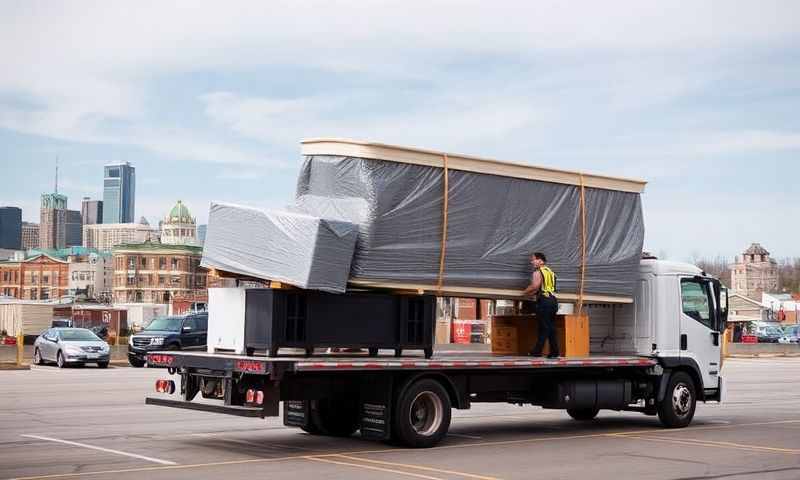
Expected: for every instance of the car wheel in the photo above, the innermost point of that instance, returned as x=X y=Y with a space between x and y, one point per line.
x=60 y=360
x=102 y=364
x=136 y=363
x=37 y=357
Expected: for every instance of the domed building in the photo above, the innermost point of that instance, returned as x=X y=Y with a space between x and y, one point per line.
x=179 y=227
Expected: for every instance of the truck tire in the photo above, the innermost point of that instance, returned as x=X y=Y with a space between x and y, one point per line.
x=583 y=414
x=335 y=418
x=677 y=408
x=422 y=416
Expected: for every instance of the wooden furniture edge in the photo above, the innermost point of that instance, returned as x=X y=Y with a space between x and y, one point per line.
x=468 y=163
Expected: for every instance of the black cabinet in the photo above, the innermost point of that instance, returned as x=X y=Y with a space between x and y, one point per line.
x=309 y=319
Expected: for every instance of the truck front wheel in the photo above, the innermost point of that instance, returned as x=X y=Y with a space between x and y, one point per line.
x=676 y=410
x=422 y=416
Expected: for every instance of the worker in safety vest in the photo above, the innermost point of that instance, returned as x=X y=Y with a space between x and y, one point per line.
x=543 y=287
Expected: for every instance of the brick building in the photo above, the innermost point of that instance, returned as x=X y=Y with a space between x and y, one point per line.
x=754 y=272
x=53 y=221
x=39 y=277
x=156 y=273
x=30 y=235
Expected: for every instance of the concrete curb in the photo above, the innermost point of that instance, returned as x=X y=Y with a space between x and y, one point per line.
x=765 y=355
x=11 y=366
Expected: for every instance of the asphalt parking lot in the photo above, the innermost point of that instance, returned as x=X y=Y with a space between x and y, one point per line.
x=86 y=422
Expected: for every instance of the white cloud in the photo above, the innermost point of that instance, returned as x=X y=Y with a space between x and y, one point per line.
x=751 y=141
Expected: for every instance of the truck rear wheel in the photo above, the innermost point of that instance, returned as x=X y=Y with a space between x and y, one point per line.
x=677 y=408
x=583 y=414
x=335 y=418
x=422 y=416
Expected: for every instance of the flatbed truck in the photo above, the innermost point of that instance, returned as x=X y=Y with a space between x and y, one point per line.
x=659 y=355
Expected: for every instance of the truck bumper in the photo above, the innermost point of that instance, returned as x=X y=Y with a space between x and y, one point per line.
x=205 y=407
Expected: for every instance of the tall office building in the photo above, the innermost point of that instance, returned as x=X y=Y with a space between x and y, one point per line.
x=91 y=211
x=119 y=193
x=30 y=235
x=11 y=228
x=74 y=233
x=53 y=221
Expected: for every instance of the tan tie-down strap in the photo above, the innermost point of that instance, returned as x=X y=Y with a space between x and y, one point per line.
x=583 y=236
x=583 y=240
x=443 y=246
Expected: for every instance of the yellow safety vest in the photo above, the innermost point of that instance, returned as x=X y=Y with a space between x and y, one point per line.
x=548 y=287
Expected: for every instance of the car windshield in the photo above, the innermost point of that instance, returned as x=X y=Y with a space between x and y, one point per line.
x=169 y=324
x=78 y=334
x=773 y=331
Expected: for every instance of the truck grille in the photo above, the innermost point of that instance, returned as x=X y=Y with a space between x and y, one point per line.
x=141 y=341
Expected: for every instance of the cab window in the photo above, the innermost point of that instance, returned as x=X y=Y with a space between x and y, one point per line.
x=191 y=323
x=696 y=301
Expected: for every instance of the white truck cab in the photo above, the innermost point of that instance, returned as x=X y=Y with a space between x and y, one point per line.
x=678 y=315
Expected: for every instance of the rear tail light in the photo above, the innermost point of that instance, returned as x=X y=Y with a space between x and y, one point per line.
x=254 y=396
x=165 y=386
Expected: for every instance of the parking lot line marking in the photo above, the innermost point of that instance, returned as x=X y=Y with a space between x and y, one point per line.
x=396 y=450
x=418 y=467
x=710 y=443
x=101 y=449
x=370 y=467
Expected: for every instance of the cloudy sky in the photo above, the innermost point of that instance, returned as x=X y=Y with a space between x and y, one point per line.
x=209 y=100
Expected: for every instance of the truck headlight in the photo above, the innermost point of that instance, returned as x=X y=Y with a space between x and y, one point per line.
x=157 y=341
x=130 y=340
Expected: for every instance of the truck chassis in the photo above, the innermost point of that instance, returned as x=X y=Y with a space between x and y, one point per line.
x=409 y=400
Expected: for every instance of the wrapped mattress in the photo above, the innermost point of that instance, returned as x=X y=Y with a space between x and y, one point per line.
x=497 y=215
x=288 y=246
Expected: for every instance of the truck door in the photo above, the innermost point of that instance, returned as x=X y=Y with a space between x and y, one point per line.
x=700 y=327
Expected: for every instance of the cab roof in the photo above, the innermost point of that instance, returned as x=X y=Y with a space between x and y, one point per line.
x=665 y=267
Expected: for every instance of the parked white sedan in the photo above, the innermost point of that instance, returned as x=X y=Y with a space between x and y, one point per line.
x=76 y=346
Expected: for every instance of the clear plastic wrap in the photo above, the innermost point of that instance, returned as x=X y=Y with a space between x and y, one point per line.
x=495 y=223
x=292 y=247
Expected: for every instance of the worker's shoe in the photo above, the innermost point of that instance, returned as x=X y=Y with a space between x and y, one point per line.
x=553 y=355
x=535 y=354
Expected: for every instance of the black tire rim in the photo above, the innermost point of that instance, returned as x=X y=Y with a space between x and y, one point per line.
x=426 y=414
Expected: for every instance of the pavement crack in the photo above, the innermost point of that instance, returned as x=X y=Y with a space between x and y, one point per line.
x=739 y=474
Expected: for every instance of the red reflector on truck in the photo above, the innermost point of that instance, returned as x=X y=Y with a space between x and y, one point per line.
x=250 y=366
x=250 y=396
x=159 y=359
x=165 y=386
x=259 y=397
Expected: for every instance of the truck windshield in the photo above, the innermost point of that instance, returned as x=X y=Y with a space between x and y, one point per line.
x=169 y=324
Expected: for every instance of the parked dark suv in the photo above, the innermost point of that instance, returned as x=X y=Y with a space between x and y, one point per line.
x=186 y=332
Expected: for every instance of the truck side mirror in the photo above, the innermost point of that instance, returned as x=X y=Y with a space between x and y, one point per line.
x=723 y=307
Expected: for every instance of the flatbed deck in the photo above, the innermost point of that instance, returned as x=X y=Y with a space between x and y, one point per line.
x=337 y=362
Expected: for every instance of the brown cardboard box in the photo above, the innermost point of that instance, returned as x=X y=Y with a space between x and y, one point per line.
x=572 y=333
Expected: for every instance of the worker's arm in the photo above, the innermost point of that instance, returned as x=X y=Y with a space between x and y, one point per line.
x=536 y=284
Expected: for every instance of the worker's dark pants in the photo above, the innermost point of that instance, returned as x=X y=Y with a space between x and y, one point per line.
x=546 y=310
